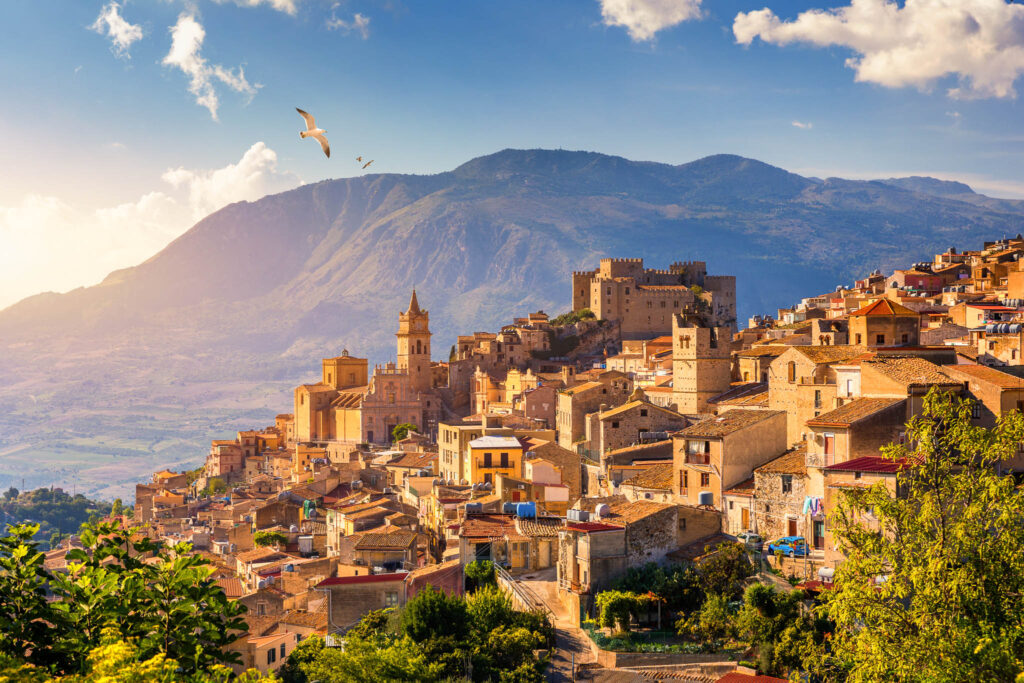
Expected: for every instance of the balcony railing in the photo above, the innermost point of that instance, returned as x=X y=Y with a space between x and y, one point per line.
x=698 y=458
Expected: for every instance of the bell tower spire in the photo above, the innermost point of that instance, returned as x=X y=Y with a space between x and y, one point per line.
x=414 y=345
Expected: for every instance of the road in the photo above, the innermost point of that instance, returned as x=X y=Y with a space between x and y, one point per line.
x=571 y=643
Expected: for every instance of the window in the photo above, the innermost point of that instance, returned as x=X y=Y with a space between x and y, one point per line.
x=504 y=459
x=615 y=425
x=705 y=479
x=663 y=304
x=684 y=342
x=830 y=444
x=730 y=505
x=787 y=483
x=879 y=338
x=817 y=398
x=643 y=412
x=282 y=650
x=329 y=376
x=857 y=339
x=683 y=479
x=391 y=599
x=791 y=371
x=856 y=475
x=904 y=339
x=627 y=290
x=487 y=460
x=271 y=655
x=976 y=411
x=849 y=387
x=713 y=340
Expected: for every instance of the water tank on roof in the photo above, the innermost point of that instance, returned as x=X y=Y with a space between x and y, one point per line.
x=357 y=484
x=474 y=508
x=293 y=529
x=602 y=510
x=705 y=498
x=526 y=510
x=488 y=486
x=289 y=567
x=508 y=508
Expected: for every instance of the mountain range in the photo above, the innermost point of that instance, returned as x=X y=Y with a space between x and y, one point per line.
x=99 y=383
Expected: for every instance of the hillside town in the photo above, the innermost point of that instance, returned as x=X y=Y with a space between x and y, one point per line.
x=648 y=424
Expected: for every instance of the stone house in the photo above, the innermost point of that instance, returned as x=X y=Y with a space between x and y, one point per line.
x=349 y=598
x=521 y=545
x=855 y=429
x=780 y=490
x=752 y=364
x=632 y=423
x=738 y=502
x=394 y=550
x=719 y=453
x=652 y=483
x=802 y=382
x=885 y=323
x=859 y=473
x=575 y=403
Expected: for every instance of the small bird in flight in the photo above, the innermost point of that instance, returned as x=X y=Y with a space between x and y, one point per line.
x=359 y=159
x=368 y=163
x=313 y=132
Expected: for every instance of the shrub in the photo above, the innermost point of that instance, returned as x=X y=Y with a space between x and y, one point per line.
x=480 y=573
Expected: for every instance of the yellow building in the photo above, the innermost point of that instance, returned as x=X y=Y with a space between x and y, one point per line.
x=490 y=456
x=304 y=453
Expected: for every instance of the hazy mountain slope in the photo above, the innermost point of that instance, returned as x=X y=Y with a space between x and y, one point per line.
x=258 y=292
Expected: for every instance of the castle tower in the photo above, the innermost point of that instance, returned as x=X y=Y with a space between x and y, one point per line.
x=701 y=363
x=414 y=345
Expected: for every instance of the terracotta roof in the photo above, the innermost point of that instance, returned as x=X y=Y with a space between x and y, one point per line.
x=870 y=463
x=908 y=370
x=830 y=354
x=658 y=476
x=257 y=554
x=736 y=677
x=396 y=540
x=854 y=411
x=641 y=448
x=317 y=620
x=414 y=460
x=793 y=461
x=588 y=527
x=630 y=513
x=728 y=423
x=541 y=526
x=232 y=587
x=984 y=373
x=744 y=488
x=884 y=307
x=772 y=349
x=740 y=391
x=369 y=578
x=489 y=526
x=626 y=407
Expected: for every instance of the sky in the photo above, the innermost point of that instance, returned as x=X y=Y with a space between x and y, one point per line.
x=123 y=123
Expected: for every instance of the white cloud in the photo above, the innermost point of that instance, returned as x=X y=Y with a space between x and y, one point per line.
x=360 y=23
x=803 y=124
x=187 y=37
x=979 y=41
x=252 y=177
x=53 y=245
x=287 y=6
x=121 y=33
x=643 y=18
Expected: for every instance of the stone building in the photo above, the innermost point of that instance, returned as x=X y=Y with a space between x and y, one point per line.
x=351 y=597
x=635 y=422
x=610 y=389
x=885 y=323
x=802 y=382
x=719 y=453
x=780 y=490
x=643 y=300
x=701 y=363
x=348 y=406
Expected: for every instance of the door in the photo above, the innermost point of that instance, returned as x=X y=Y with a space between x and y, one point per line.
x=745 y=517
x=545 y=554
x=517 y=496
x=819 y=535
x=792 y=528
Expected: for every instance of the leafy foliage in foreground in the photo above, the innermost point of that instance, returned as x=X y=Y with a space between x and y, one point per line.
x=434 y=637
x=168 y=607
x=935 y=572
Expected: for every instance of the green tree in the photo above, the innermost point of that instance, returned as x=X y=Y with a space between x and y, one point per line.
x=402 y=430
x=489 y=608
x=267 y=538
x=774 y=624
x=432 y=614
x=117 y=509
x=161 y=600
x=723 y=570
x=480 y=573
x=933 y=585
x=11 y=493
x=618 y=607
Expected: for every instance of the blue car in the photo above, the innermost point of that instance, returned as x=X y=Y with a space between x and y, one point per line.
x=794 y=546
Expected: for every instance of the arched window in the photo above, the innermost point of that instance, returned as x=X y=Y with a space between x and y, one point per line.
x=791 y=371
x=419 y=346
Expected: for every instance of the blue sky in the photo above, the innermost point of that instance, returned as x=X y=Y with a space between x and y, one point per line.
x=107 y=155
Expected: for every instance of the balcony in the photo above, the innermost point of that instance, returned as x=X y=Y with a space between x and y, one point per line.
x=698 y=458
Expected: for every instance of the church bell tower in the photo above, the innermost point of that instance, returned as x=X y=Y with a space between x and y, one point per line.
x=414 y=345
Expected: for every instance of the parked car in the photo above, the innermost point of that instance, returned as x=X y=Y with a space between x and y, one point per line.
x=751 y=540
x=794 y=546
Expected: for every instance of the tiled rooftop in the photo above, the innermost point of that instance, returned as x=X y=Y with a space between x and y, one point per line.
x=728 y=423
x=793 y=461
x=854 y=411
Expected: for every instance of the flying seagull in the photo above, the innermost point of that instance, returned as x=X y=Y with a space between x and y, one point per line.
x=368 y=163
x=313 y=132
x=359 y=159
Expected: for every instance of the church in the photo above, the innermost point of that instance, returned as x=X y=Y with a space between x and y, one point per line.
x=349 y=405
